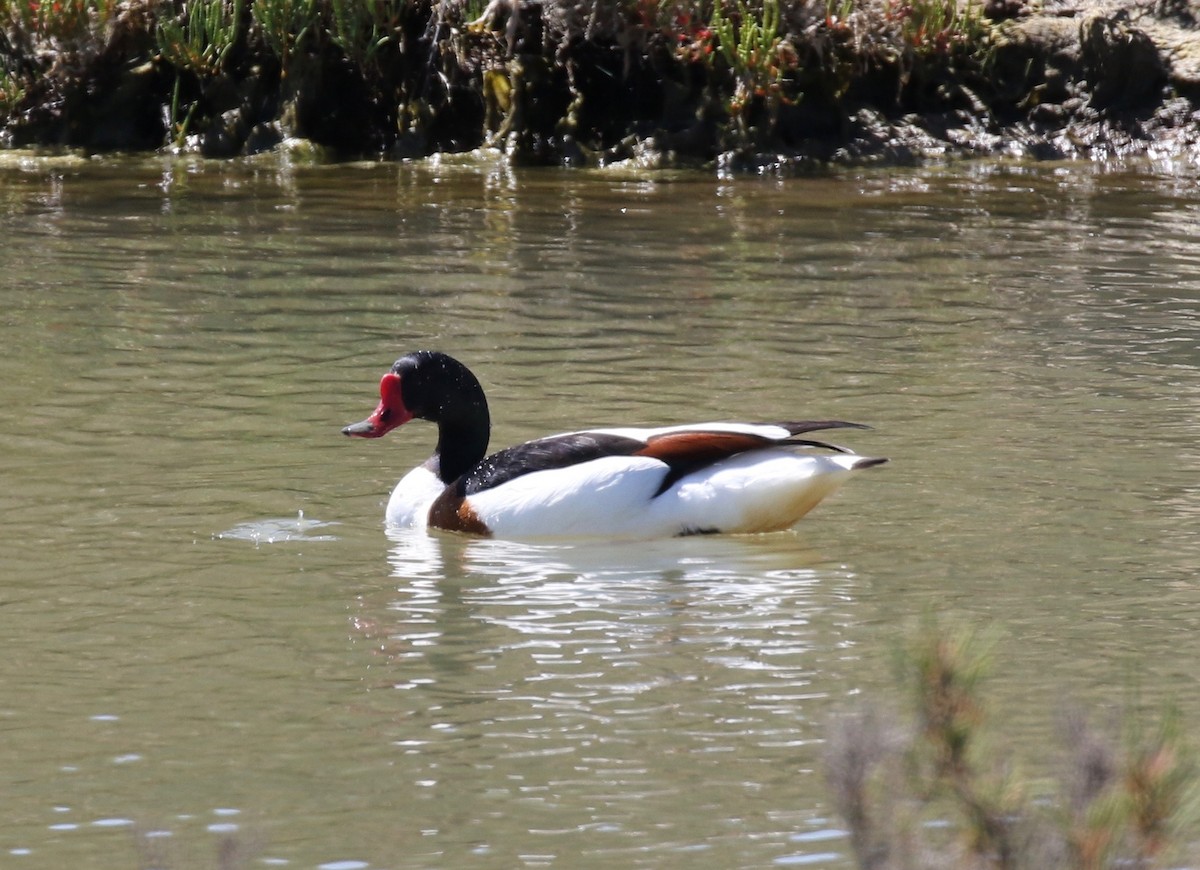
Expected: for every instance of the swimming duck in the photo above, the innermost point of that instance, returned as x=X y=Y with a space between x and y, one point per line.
x=627 y=482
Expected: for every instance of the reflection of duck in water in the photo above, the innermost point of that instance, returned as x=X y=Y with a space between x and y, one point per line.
x=612 y=483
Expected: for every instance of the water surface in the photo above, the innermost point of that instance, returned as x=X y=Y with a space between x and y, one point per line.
x=208 y=632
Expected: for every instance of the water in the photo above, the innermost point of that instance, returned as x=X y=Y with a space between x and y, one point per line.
x=209 y=636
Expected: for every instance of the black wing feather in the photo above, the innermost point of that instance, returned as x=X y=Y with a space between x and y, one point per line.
x=559 y=451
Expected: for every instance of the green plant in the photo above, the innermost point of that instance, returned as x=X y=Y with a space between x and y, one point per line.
x=362 y=27
x=1158 y=775
x=837 y=12
x=1122 y=803
x=284 y=25
x=198 y=40
x=11 y=92
x=63 y=34
x=940 y=27
x=61 y=21
x=946 y=671
x=202 y=36
x=753 y=49
x=46 y=43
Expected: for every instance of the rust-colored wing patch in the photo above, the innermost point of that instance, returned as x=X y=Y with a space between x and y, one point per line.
x=685 y=452
x=701 y=448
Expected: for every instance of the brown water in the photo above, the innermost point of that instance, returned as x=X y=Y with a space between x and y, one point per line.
x=207 y=631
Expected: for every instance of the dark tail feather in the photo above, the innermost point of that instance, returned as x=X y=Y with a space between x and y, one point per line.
x=799 y=427
x=824 y=445
x=869 y=462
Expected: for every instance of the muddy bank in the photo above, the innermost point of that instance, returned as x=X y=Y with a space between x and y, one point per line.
x=735 y=85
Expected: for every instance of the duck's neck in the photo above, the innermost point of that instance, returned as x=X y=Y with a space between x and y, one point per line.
x=440 y=389
x=462 y=442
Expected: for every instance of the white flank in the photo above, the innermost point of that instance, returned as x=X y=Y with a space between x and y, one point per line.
x=409 y=504
x=605 y=497
x=759 y=491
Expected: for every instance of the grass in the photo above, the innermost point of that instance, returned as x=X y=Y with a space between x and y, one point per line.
x=1121 y=801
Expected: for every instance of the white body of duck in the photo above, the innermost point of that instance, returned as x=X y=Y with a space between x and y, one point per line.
x=630 y=483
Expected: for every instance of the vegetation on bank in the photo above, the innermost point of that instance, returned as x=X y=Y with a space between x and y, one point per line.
x=938 y=792
x=554 y=81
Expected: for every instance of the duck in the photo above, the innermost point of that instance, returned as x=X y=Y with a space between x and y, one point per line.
x=616 y=483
